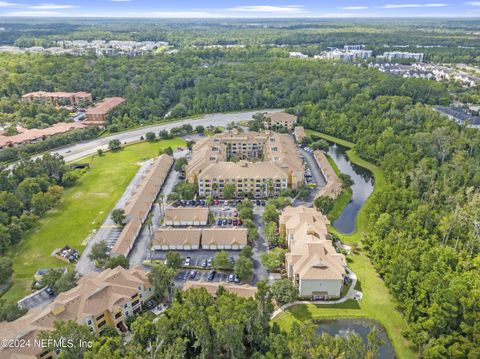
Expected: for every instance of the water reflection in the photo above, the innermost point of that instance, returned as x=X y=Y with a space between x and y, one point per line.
x=361 y=327
x=361 y=189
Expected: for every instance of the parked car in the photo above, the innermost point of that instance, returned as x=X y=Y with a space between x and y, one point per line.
x=225 y=208
x=224 y=222
x=204 y=263
x=209 y=262
x=235 y=222
x=240 y=222
x=231 y=278
x=211 y=275
x=262 y=203
x=225 y=203
x=202 y=202
x=216 y=202
x=235 y=213
x=50 y=291
x=150 y=304
x=232 y=261
x=187 y=261
x=193 y=203
x=236 y=279
x=192 y=274
x=229 y=221
x=257 y=202
x=219 y=222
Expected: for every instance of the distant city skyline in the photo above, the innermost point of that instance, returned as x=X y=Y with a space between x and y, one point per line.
x=241 y=9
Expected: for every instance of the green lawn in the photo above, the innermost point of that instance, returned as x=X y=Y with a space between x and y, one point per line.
x=377 y=303
x=342 y=200
x=81 y=211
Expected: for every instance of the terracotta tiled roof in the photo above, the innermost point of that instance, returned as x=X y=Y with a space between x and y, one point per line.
x=94 y=294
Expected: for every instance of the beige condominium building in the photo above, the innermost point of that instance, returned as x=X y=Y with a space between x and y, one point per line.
x=140 y=203
x=185 y=216
x=192 y=238
x=64 y=98
x=279 y=119
x=312 y=262
x=99 y=300
x=257 y=164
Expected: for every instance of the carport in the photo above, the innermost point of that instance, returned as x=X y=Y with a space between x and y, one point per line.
x=176 y=239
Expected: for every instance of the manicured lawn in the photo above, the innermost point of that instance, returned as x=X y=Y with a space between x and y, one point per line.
x=82 y=210
x=342 y=200
x=377 y=303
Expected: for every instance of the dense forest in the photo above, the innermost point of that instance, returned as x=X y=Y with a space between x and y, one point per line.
x=424 y=227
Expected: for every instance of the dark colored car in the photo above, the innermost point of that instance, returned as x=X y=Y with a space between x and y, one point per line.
x=202 y=202
x=229 y=221
x=192 y=274
x=224 y=222
x=219 y=222
x=232 y=261
x=257 y=202
x=211 y=275
x=240 y=222
x=235 y=222
x=262 y=203
x=50 y=291
x=204 y=263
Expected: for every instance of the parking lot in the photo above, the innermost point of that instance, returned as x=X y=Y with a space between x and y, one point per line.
x=38 y=299
x=201 y=275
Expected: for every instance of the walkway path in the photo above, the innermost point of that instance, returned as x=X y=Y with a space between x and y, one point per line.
x=351 y=294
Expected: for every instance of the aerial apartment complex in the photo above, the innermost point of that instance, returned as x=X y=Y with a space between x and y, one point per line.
x=35 y=135
x=59 y=98
x=279 y=119
x=252 y=163
x=139 y=205
x=97 y=114
x=312 y=263
x=99 y=300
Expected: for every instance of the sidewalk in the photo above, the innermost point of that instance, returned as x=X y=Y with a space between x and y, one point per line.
x=351 y=294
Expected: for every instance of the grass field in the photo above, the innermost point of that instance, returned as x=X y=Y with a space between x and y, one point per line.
x=81 y=211
x=377 y=303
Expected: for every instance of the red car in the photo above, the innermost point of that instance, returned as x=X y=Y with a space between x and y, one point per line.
x=216 y=202
x=239 y=222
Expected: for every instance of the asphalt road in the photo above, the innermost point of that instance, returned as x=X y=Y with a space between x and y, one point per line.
x=83 y=149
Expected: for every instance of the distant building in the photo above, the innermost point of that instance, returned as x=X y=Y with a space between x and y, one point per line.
x=36 y=135
x=97 y=115
x=353 y=47
x=59 y=98
x=100 y=300
x=394 y=55
x=297 y=55
x=279 y=119
x=347 y=55
x=312 y=263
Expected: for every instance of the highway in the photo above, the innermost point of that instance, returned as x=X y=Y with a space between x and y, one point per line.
x=86 y=148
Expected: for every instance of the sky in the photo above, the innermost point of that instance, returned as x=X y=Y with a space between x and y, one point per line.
x=241 y=8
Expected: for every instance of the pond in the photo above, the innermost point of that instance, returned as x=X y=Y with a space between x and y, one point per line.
x=361 y=189
x=361 y=327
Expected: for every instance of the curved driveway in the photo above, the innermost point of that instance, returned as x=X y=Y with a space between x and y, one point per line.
x=83 y=149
